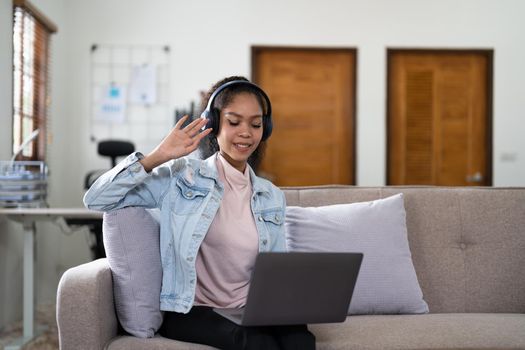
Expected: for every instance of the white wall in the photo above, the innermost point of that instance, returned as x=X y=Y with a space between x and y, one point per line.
x=212 y=39
x=6 y=72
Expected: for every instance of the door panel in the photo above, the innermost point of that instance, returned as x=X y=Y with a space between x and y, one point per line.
x=439 y=122
x=313 y=101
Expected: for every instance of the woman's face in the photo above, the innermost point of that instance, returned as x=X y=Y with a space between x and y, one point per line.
x=240 y=129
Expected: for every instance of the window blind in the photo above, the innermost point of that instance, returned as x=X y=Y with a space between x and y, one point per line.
x=31 y=85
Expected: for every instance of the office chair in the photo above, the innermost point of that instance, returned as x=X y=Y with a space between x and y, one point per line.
x=112 y=149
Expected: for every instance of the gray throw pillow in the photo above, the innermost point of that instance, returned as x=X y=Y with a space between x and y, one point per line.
x=131 y=240
x=387 y=282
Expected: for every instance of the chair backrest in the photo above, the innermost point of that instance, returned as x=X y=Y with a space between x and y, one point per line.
x=114 y=149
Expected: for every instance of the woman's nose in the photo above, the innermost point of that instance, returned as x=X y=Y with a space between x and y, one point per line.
x=244 y=131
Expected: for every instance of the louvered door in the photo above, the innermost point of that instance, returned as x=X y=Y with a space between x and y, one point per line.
x=312 y=93
x=439 y=119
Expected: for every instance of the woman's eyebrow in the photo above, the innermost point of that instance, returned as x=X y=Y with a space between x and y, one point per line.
x=242 y=116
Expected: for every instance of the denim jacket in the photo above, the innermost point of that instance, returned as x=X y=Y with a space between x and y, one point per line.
x=188 y=193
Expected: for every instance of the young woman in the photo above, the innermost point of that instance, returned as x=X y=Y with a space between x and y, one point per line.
x=216 y=215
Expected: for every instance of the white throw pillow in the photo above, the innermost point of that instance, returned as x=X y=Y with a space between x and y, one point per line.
x=387 y=282
x=131 y=240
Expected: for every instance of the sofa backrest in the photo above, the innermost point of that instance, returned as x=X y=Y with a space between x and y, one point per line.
x=467 y=244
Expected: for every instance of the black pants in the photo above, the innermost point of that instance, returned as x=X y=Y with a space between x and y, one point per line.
x=202 y=325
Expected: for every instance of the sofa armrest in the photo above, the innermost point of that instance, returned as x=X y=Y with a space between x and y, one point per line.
x=85 y=309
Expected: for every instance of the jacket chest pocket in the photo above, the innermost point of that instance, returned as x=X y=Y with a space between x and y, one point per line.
x=273 y=220
x=188 y=198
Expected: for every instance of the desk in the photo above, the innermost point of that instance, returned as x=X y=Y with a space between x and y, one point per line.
x=28 y=217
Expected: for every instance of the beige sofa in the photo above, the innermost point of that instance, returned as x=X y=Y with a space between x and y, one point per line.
x=468 y=249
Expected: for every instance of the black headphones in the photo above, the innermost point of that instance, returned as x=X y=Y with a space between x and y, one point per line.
x=213 y=114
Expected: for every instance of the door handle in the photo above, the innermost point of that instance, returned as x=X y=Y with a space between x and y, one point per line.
x=477 y=177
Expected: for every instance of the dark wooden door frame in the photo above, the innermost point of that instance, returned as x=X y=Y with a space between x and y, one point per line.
x=256 y=49
x=489 y=54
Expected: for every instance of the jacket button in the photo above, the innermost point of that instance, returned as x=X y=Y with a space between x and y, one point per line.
x=264 y=241
x=189 y=194
x=189 y=258
x=260 y=218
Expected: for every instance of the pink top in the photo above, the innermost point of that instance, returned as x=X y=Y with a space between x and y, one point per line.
x=227 y=254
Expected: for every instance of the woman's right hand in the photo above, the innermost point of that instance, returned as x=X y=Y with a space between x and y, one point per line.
x=178 y=143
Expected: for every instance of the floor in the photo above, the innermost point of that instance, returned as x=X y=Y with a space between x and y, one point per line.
x=45 y=316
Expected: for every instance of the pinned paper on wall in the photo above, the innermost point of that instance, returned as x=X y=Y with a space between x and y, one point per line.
x=143 y=85
x=137 y=106
x=112 y=106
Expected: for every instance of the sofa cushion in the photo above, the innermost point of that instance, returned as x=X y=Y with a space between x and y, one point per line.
x=131 y=240
x=466 y=242
x=157 y=342
x=430 y=331
x=387 y=282
x=379 y=332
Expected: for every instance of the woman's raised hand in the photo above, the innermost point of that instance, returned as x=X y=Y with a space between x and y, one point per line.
x=181 y=142
x=178 y=143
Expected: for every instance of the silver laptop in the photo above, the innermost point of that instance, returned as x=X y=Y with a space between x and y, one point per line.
x=298 y=288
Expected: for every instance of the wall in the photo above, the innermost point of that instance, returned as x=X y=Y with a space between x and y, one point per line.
x=6 y=69
x=211 y=39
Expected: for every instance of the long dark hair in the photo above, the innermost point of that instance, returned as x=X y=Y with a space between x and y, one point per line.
x=209 y=145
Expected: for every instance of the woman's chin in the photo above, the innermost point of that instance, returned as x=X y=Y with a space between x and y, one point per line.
x=237 y=158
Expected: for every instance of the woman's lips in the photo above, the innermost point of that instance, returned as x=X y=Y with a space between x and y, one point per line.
x=242 y=146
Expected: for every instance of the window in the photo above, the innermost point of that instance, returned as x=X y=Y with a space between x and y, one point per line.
x=31 y=49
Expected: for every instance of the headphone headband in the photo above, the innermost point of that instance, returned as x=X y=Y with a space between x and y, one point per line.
x=208 y=113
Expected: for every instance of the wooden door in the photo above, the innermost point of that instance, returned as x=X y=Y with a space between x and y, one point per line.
x=313 y=99
x=439 y=117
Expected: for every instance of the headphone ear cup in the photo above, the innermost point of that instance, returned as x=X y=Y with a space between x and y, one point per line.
x=214 y=117
x=267 y=127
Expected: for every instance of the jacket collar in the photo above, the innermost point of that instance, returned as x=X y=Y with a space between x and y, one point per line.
x=208 y=168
